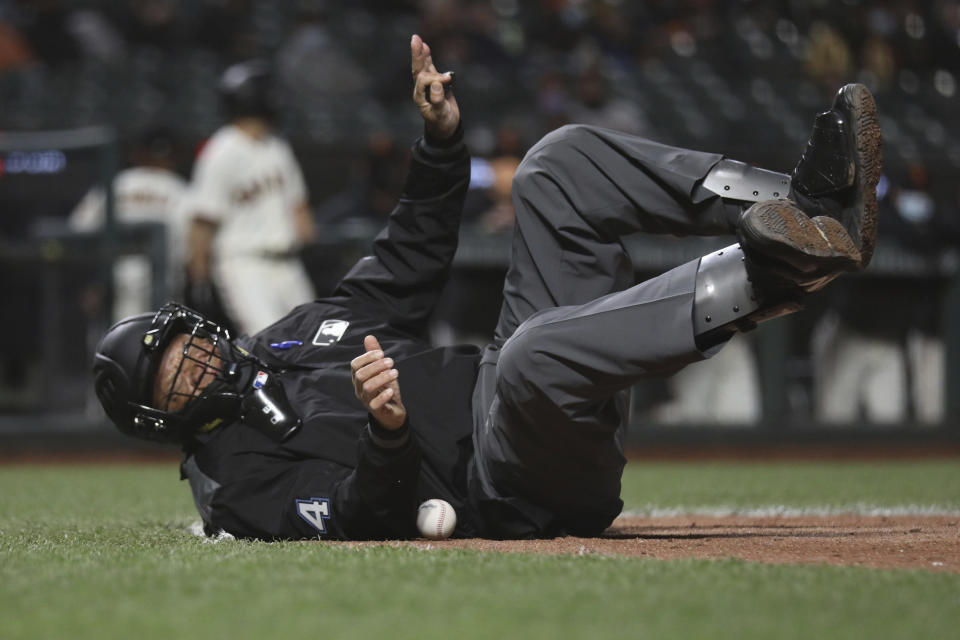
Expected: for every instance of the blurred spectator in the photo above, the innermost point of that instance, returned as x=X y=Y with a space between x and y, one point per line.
x=152 y=23
x=553 y=100
x=14 y=50
x=224 y=27
x=828 y=62
x=312 y=64
x=59 y=33
x=465 y=33
x=489 y=208
x=549 y=62
x=597 y=105
x=469 y=307
x=45 y=25
x=498 y=215
x=96 y=36
x=878 y=63
x=149 y=190
x=373 y=187
x=375 y=180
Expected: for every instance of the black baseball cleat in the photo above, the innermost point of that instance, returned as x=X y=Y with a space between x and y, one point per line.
x=784 y=245
x=838 y=172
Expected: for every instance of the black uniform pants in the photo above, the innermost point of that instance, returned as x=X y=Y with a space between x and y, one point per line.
x=575 y=331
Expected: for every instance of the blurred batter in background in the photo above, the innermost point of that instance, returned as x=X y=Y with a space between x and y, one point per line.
x=248 y=204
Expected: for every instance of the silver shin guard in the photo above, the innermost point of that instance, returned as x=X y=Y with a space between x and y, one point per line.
x=739 y=181
x=726 y=301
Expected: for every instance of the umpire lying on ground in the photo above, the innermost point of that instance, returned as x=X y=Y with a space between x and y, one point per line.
x=340 y=418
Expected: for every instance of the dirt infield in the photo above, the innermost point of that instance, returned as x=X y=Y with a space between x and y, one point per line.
x=887 y=542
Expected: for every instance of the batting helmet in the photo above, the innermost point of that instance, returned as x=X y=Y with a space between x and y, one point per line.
x=248 y=89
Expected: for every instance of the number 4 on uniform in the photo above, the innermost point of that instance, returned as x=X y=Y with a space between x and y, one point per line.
x=315 y=511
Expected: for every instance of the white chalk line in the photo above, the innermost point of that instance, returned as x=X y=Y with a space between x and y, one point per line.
x=784 y=511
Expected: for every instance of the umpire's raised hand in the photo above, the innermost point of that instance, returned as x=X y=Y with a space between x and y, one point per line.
x=431 y=92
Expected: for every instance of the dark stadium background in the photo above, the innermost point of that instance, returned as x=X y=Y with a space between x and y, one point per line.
x=80 y=80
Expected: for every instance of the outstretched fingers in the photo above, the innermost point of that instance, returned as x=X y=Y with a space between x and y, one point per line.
x=429 y=85
x=432 y=92
x=420 y=58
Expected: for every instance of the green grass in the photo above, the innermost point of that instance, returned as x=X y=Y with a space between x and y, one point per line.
x=802 y=485
x=102 y=552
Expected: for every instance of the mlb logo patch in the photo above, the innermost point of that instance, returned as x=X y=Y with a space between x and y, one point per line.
x=260 y=380
x=330 y=331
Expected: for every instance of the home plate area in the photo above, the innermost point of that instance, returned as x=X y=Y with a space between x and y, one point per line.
x=930 y=542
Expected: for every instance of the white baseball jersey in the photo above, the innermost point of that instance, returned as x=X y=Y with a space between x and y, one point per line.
x=251 y=187
x=141 y=194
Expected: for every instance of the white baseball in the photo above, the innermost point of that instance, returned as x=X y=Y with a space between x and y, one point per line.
x=436 y=519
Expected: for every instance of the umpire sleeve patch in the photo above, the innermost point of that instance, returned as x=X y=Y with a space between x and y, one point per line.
x=330 y=332
x=316 y=511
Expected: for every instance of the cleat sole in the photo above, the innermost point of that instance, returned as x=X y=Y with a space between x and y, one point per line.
x=779 y=230
x=867 y=139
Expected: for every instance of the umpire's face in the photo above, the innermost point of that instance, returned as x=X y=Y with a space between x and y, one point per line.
x=188 y=366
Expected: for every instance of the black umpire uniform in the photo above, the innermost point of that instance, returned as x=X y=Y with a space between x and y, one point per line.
x=524 y=439
x=341 y=475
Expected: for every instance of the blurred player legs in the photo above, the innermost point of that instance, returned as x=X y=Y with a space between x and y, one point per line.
x=131 y=285
x=927 y=358
x=864 y=377
x=722 y=390
x=857 y=376
x=280 y=286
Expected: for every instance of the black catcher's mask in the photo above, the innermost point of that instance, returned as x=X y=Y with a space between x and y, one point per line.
x=127 y=360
